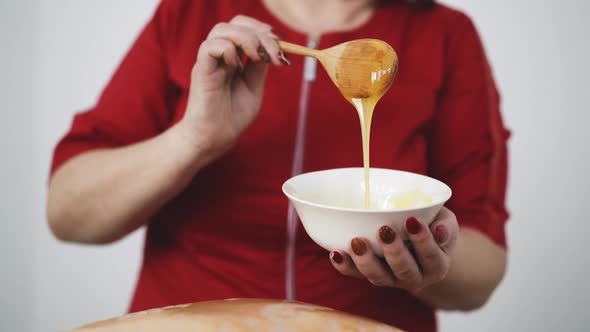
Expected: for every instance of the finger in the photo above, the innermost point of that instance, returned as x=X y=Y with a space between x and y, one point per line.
x=242 y=37
x=400 y=260
x=253 y=77
x=344 y=264
x=268 y=40
x=212 y=51
x=445 y=229
x=251 y=23
x=269 y=43
x=434 y=262
x=369 y=265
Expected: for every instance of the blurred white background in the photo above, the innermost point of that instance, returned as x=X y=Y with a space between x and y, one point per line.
x=55 y=57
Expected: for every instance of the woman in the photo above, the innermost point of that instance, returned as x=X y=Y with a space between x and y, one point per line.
x=194 y=151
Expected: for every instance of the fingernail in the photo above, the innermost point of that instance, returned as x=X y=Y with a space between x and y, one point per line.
x=386 y=234
x=441 y=234
x=413 y=226
x=284 y=59
x=336 y=257
x=358 y=246
x=263 y=54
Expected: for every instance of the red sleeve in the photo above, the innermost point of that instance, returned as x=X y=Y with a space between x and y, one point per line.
x=134 y=105
x=468 y=140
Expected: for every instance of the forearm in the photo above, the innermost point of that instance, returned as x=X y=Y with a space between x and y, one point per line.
x=477 y=267
x=100 y=196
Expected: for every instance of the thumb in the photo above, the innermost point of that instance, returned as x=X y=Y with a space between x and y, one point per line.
x=254 y=75
x=445 y=228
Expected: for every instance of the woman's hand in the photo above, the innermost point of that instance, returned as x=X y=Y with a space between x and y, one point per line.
x=428 y=264
x=225 y=93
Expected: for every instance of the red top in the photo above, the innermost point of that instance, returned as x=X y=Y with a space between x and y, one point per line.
x=225 y=235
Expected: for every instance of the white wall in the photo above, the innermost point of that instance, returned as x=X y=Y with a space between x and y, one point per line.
x=16 y=215
x=56 y=56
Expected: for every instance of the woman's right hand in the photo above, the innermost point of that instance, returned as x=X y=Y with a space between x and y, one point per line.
x=225 y=95
x=223 y=101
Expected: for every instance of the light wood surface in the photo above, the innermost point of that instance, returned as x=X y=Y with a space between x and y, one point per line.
x=240 y=315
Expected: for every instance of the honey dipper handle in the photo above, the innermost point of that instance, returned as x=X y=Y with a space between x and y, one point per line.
x=297 y=49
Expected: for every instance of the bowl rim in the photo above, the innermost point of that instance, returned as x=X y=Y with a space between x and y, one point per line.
x=389 y=210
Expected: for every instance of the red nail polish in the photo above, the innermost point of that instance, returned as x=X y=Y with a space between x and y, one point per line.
x=358 y=246
x=284 y=59
x=243 y=60
x=413 y=226
x=386 y=234
x=336 y=257
x=441 y=234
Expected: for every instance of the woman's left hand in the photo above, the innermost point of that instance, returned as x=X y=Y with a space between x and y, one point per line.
x=428 y=265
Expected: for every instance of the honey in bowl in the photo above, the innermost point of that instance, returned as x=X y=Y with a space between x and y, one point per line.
x=330 y=203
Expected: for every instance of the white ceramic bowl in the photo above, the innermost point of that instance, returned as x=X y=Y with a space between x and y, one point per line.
x=330 y=203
